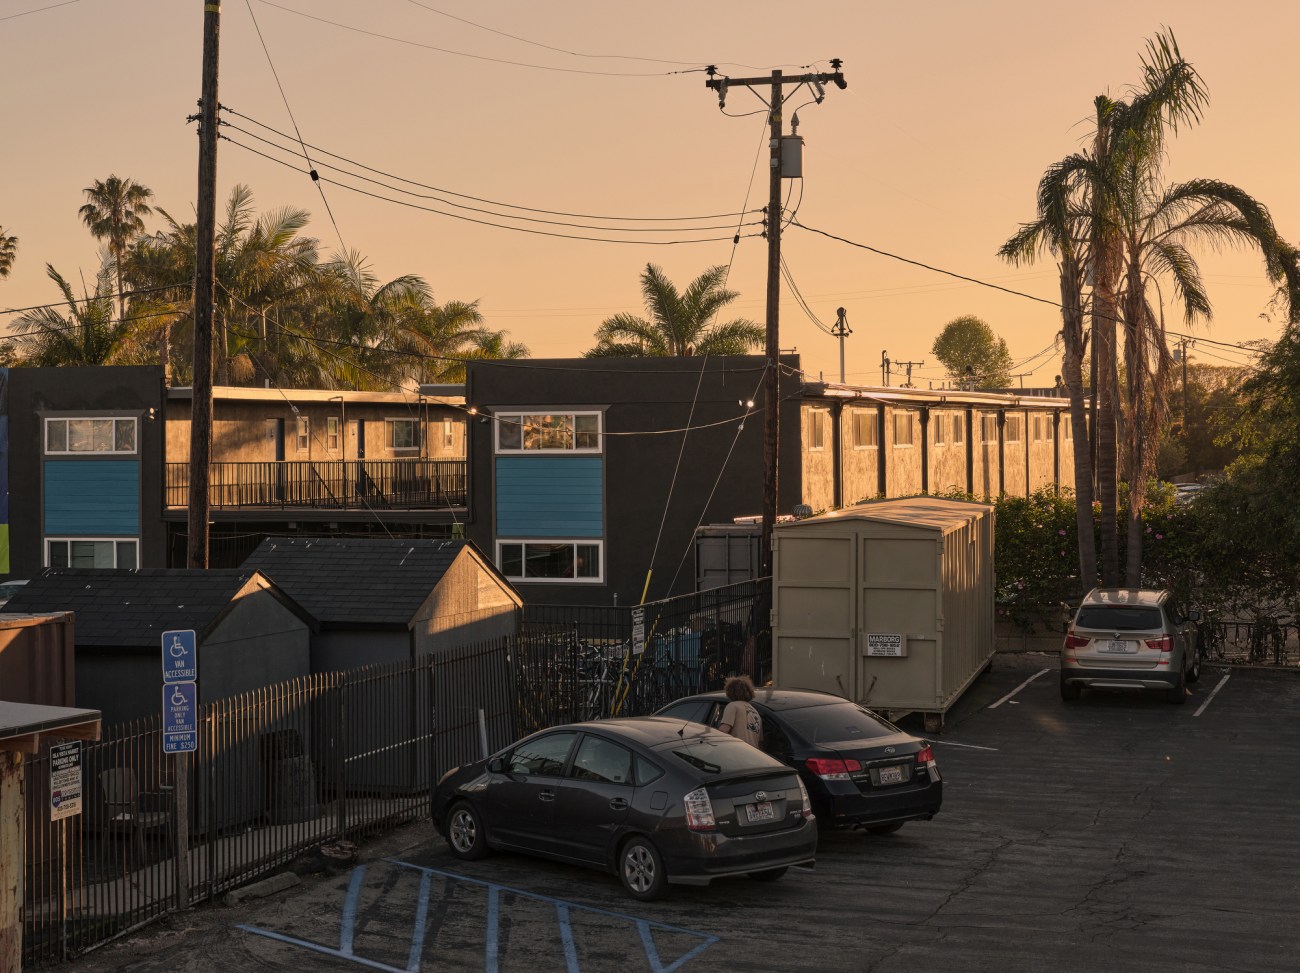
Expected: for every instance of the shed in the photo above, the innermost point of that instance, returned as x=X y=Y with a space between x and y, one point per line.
x=36 y=659
x=381 y=600
x=888 y=602
x=250 y=634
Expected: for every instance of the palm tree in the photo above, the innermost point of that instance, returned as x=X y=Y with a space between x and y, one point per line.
x=679 y=323
x=89 y=334
x=8 y=252
x=1061 y=229
x=114 y=211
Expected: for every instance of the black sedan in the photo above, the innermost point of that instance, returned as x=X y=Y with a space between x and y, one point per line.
x=655 y=801
x=860 y=770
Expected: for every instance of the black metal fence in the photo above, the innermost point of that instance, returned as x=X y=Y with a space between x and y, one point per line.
x=1262 y=641
x=278 y=771
x=584 y=662
x=330 y=484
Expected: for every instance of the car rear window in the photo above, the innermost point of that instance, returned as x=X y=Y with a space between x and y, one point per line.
x=835 y=723
x=1119 y=618
x=719 y=754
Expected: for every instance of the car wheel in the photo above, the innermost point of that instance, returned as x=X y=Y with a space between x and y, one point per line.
x=642 y=870
x=1069 y=691
x=465 y=836
x=1194 y=674
x=768 y=875
x=1177 y=693
x=885 y=828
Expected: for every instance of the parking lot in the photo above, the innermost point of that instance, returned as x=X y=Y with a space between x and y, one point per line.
x=1118 y=832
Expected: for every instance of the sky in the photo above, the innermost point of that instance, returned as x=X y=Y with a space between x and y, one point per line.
x=952 y=113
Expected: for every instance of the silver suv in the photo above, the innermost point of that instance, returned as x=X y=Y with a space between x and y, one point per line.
x=1126 y=638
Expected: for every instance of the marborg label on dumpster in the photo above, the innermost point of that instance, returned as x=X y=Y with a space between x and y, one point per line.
x=65 y=780
x=883 y=644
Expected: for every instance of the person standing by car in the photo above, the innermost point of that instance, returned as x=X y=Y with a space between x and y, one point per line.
x=740 y=719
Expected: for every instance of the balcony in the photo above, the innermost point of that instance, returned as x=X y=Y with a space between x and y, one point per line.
x=389 y=484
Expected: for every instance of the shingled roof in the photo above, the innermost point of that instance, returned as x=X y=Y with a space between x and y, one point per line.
x=134 y=608
x=349 y=582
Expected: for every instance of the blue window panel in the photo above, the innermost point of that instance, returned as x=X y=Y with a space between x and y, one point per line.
x=549 y=496
x=92 y=498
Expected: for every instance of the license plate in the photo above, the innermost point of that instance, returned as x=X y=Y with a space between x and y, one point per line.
x=761 y=811
x=1121 y=646
x=891 y=775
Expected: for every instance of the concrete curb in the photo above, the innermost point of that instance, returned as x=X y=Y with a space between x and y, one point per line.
x=267 y=886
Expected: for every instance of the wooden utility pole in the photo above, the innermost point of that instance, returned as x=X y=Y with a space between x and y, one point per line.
x=772 y=376
x=204 y=294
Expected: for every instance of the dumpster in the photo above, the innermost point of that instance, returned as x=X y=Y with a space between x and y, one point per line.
x=888 y=603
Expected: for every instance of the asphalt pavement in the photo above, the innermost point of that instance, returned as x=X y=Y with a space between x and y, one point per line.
x=1117 y=832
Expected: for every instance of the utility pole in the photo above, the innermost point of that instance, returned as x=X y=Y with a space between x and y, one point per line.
x=885 y=368
x=204 y=293
x=772 y=376
x=841 y=330
x=908 y=365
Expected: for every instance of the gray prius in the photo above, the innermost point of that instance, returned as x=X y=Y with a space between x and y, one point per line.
x=652 y=800
x=1130 y=638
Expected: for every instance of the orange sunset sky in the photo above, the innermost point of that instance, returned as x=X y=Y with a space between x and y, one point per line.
x=953 y=111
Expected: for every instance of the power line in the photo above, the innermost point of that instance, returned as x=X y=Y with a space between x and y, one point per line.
x=469 y=219
x=37 y=10
x=488 y=212
x=480 y=199
x=88 y=300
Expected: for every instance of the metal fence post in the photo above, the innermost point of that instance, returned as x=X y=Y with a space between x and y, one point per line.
x=340 y=756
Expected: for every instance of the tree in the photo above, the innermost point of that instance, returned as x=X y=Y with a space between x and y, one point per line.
x=88 y=334
x=114 y=211
x=8 y=252
x=679 y=323
x=966 y=346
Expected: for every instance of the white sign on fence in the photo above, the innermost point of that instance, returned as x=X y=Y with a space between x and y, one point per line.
x=885 y=644
x=638 y=631
x=65 y=780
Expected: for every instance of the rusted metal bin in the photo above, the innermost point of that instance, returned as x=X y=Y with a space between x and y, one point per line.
x=888 y=603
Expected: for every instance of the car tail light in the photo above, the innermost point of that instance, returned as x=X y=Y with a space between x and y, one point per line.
x=1073 y=641
x=926 y=755
x=699 y=811
x=806 y=810
x=831 y=768
x=1165 y=643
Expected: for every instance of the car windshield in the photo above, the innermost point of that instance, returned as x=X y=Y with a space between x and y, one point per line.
x=835 y=723
x=1119 y=618
x=722 y=755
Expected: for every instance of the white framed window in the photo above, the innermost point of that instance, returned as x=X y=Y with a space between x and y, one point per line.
x=937 y=422
x=106 y=434
x=864 y=429
x=403 y=433
x=1011 y=429
x=302 y=438
x=1036 y=424
x=448 y=434
x=332 y=432
x=92 y=552
x=904 y=426
x=816 y=429
x=1049 y=428
x=988 y=428
x=559 y=561
x=1068 y=426
x=958 y=429
x=526 y=432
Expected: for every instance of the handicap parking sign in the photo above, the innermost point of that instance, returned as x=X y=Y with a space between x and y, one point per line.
x=180 y=656
x=180 y=707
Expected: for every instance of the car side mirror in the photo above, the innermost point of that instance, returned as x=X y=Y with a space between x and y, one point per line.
x=496 y=765
x=1193 y=616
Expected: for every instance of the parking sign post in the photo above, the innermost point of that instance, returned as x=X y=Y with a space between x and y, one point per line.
x=180 y=723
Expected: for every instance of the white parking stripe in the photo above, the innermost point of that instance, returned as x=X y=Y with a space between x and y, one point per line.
x=1020 y=687
x=1201 y=709
x=968 y=746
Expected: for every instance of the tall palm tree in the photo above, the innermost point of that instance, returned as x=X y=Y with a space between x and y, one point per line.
x=1061 y=229
x=8 y=252
x=88 y=334
x=114 y=211
x=678 y=322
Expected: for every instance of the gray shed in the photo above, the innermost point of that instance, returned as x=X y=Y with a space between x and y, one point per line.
x=888 y=602
x=381 y=600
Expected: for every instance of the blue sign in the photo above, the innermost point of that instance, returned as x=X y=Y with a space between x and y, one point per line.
x=180 y=711
x=180 y=656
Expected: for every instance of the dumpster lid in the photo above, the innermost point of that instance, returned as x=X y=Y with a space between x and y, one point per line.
x=940 y=513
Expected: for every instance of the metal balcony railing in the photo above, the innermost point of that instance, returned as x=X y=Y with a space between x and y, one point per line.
x=402 y=484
